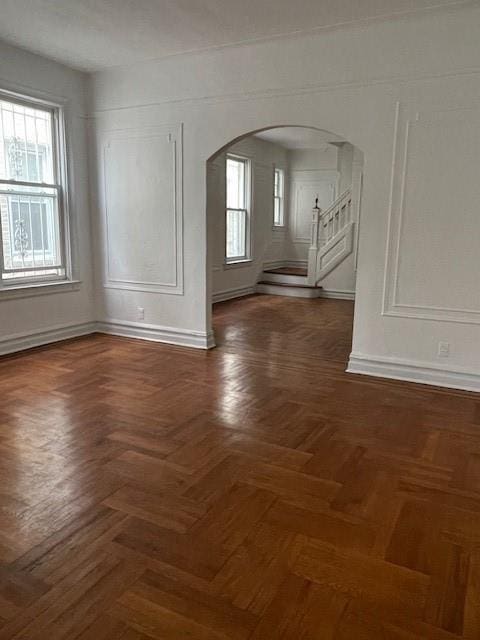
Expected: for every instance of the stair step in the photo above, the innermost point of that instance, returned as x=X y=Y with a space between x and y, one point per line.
x=291 y=290
x=288 y=271
x=288 y=284
x=283 y=278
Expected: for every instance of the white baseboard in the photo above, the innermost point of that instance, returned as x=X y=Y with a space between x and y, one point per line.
x=22 y=341
x=412 y=371
x=155 y=333
x=338 y=294
x=229 y=294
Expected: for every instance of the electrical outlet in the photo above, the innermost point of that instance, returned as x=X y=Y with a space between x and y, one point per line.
x=140 y=313
x=443 y=349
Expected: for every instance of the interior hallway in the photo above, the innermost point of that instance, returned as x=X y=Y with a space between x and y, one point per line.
x=253 y=491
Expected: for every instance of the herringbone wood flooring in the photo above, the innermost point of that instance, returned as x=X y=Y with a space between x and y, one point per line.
x=255 y=491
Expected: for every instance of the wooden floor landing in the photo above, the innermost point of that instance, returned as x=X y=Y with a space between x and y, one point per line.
x=252 y=492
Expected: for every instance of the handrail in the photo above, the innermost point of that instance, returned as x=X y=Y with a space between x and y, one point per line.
x=336 y=203
x=326 y=225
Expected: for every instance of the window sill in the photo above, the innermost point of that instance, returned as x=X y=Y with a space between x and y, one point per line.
x=31 y=289
x=238 y=264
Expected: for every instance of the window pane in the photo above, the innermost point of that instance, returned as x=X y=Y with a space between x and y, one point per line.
x=277 y=214
x=278 y=198
x=26 y=143
x=236 y=234
x=278 y=184
x=236 y=183
x=30 y=233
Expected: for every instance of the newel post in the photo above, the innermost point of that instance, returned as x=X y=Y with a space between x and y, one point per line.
x=313 y=250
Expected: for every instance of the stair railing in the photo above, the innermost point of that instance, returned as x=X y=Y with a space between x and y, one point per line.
x=326 y=225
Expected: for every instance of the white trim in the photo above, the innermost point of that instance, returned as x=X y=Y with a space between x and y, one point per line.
x=28 y=340
x=33 y=289
x=157 y=333
x=182 y=337
x=338 y=294
x=303 y=89
x=414 y=371
x=238 y=264
x=229 y=294
x=61 y=178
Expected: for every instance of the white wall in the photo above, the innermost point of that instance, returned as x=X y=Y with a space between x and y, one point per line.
x=31 y=319
x=397 y=92
x=267 y=243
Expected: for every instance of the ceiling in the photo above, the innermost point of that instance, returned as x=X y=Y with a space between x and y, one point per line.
x=299 y=137
x=96 y=34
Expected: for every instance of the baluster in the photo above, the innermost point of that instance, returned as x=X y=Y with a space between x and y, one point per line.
x=315 y=227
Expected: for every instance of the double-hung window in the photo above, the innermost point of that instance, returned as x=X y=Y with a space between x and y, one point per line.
x=278 y=197
x=32 y=193
x=237 y=209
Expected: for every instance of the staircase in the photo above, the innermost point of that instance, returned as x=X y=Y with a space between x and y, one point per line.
x=331 y=242
x=287 y=281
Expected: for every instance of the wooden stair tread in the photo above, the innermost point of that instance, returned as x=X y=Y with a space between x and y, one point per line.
x=288 y=271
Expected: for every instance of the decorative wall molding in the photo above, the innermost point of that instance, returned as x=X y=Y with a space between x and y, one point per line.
x=334 y=252
x=165 y=134
x=310 y=89
x=43 y=289
x=391 y=306
x=31 y=339
x=321 y=182
x=414 y=371
x=156 y=333
x=229 y=294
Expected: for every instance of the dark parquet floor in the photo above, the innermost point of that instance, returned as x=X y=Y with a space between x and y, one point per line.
x=252 y=492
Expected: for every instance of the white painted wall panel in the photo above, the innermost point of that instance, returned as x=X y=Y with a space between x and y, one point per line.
x=440 y=208
x=142 y=211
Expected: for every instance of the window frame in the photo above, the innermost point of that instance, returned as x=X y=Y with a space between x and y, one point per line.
x=279 y=198
x=60 y=185
x=238 y=260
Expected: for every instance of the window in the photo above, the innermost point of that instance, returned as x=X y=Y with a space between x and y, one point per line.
x=32 y=229
x=278 y=194
x=237 y=219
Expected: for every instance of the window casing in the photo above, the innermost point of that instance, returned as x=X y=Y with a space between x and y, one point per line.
x=33 y=217
x=278 y=197
x=237 y=241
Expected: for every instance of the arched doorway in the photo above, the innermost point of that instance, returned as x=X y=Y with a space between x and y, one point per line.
x=262 y=190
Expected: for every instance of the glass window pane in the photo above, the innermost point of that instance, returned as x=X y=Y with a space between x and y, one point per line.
x=278 y=193
x=30 y=233
x=236 y=234
x=236 y=183
x=276 y=213
x=26 y=143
